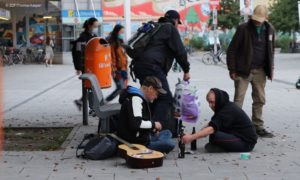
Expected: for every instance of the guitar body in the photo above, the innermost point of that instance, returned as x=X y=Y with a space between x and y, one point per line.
x=140 y=156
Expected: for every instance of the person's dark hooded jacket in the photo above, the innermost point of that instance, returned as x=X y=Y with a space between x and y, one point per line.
x=165 y=46
x=230 y=118
x=134 y=123
x=77 y=56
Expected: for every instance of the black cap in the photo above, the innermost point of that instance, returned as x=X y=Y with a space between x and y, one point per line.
x=155 y=83
x=172 y=14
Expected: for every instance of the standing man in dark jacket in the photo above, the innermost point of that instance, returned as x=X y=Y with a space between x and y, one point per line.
x=230 y=129
x=135 y=123
x=250 y=59
x=157 y=59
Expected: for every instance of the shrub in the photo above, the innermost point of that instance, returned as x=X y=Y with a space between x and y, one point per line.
x=283 y=42
x=197 y=42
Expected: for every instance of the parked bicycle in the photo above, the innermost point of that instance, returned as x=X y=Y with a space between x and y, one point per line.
x=214 y=58
x=34 y=55
x=10 y=56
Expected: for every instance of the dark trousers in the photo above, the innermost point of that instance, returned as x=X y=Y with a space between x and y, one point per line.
x=229 y=142
x=162 y=106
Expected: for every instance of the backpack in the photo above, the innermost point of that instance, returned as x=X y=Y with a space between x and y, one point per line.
x=186 y=102
x=97 y=147
x=138 y=42
x=77 y=51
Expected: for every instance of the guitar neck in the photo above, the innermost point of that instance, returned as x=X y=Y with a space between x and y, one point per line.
x=122 y=140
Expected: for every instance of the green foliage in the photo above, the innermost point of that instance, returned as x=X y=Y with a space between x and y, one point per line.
x=228 y=15
x=284 y=15
x=283 y=42
x=225 y=39
x=197 y=42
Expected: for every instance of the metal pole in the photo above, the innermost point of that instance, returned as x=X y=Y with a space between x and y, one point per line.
x=77 y=9
x=27 y=30
x=85 y=109
x=299 y=12
x=215 y=17
x=127 y=16
x=93 y=8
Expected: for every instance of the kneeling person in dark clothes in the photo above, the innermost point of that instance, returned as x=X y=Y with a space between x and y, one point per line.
x=230 y=129
x=135 y=124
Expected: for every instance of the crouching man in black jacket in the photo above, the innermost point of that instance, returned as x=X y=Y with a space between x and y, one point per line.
x=135 y=123
x=230 y=129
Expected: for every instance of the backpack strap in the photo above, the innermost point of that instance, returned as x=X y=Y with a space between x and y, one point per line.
x=131 y=66
x=80 y=146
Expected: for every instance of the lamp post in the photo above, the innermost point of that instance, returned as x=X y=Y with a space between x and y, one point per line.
x=127 y=17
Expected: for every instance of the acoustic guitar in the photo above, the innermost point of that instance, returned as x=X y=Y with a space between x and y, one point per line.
x=138 y=156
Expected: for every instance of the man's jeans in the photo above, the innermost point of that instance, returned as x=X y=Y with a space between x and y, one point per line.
x=162 y=142
x=257 y=78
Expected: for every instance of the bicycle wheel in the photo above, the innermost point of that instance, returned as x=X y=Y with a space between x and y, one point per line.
x=7 y=60
x=223 y=58
x=207 y=59
x=16 y=59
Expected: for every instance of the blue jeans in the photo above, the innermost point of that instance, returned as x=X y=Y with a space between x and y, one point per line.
x=162 y=142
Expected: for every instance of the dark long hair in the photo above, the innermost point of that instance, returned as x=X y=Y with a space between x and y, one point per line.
x=89 y=22
x=48 y=40
x=113 y=38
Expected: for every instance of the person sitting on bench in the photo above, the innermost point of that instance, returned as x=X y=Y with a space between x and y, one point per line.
x=230 y=129
x=135 y=124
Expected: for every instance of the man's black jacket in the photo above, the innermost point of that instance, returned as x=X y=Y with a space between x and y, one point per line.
x=165 y=46
x=231 y=119
x=134 y=124
x=240 y=50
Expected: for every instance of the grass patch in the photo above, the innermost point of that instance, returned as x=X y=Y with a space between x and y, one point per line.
x=34 y=139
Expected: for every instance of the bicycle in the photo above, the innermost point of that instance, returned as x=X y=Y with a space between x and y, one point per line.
x=210 y=57
x=7 y=56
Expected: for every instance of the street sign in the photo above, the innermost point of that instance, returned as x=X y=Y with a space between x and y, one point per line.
x=76 y=17
x=214 y=4
x=215 y=17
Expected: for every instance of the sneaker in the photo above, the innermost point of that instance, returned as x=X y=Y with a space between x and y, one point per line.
x=264 y=133
x=92 y=113
x=78 y=104
x=212 y=148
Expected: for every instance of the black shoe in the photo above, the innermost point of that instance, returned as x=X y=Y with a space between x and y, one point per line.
x=92 y=113
x=78 y=104
x=264 y=133
x=212 y=148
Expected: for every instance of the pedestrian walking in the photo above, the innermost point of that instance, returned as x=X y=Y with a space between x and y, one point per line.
x=119 y=61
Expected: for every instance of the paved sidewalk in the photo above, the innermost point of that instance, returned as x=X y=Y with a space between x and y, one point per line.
x=38 y=96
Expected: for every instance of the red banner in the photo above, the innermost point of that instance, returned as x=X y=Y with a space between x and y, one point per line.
x=214 y=4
